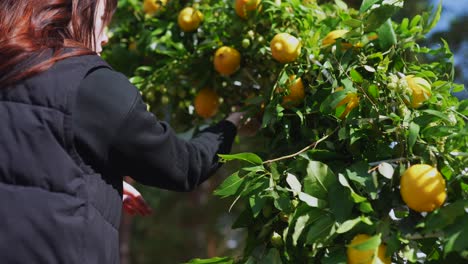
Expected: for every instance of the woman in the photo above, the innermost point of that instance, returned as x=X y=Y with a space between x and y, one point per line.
x=71 y=129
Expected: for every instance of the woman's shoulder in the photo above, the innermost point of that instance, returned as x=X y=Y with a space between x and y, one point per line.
x=107 y=90
x=108 y=79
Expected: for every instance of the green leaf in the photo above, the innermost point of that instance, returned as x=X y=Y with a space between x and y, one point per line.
x=410 y=252
x=318 y=179
x=366 y=4
x=445 y=216
x=415 y=21
x=256 y=185
x=366 y=207
x=320 y=230
x=404 y=24
x=371 y=244
x=439 y=131
x=230 y=186
x=457 y=236
x=356 y=197
x=438 y=114
x=358 y=173
x=413 y=134
x=136 y=80
x=257 y=202
x=354 y=23
x=215 y=260
x=378 y=17
x=456 y=87
x=282 y=201
x=246 y=156
x=435 y=18
x=300 y=226
x=373 y=91
x=356 y=76
x=348 y=225
x=463 y=107
x=332 y=101
x=387 y=37
x=342 y=5
x=340 y=202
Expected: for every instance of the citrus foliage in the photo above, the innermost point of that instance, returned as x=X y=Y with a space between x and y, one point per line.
x=374 y=103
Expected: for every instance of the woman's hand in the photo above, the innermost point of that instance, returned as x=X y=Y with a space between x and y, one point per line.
x=133 y=202
x=236 y=118
x=245 y=126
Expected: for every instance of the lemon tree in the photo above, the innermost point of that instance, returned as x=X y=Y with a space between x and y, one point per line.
x=346 y=157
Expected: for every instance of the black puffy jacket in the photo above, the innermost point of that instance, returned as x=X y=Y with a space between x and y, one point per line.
x=56 y=206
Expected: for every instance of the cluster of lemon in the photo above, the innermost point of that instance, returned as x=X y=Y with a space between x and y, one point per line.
x=422 y=188
x=285 y=48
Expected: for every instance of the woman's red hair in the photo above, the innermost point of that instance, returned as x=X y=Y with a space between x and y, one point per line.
x=30 y=28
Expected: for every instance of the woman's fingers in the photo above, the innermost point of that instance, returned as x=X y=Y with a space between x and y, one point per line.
x=133 y=201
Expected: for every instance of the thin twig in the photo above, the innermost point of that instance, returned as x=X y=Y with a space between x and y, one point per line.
x=313 y=145
x=420 y=236
x=393 y=160
x=233 y=203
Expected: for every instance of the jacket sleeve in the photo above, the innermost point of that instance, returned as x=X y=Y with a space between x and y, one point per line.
x=145 y=148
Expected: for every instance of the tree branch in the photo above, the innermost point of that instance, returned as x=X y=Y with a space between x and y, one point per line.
x=417 y=236
x=312 y=145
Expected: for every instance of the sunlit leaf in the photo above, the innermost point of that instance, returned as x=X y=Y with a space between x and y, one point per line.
x=293 y=183
x=348 y=225
x=299 y=227
x=310 y=200
x=386 y=170
x=366 y=4
x=249 y=157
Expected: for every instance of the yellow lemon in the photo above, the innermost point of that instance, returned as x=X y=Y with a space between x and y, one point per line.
x=206 y=103
x=243 y=7
x=189 y=19
x=356 y=256
x=296 y=92
x=421 y=90
x=285 y=47
x=351 y=100
x=226 y=60
x=422 y=188
x=150 y=7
